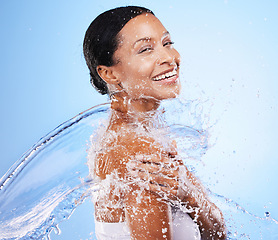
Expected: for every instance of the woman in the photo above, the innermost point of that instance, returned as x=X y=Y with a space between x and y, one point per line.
x=147 y=191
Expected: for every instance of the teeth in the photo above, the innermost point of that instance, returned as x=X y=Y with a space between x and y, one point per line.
x=166 y=75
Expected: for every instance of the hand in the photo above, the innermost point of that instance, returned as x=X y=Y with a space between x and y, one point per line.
x=168 y=177
x=163 y=174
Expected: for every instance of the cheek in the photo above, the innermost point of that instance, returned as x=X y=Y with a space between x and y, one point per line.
x=136 y=76
x=137 y=86
x=177 y=56
x=144 y=67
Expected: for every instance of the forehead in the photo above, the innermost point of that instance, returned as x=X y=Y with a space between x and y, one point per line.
x=144 y=25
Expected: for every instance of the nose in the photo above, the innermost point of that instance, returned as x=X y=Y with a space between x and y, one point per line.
x=168 y=56
x=165 y=56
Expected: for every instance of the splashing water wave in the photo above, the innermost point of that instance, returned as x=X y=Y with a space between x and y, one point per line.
x=49 y=181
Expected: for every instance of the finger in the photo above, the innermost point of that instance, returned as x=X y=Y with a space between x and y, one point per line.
x=172 y=152
x=164 y=192
x=158 y=179
x=168 y=160
x=174 y=143
x=159 y=160
x=150 y=168
x=173 y=149
x=152 y=158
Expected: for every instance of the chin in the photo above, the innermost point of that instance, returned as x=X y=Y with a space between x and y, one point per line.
x=169 y=95
x=161 y=94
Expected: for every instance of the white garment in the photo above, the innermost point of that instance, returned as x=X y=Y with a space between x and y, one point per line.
x=184 y=228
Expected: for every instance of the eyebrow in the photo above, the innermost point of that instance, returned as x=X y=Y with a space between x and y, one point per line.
x=149 y=38
x=165 y=34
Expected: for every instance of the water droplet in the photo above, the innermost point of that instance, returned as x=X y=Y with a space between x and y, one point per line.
x=267 y=214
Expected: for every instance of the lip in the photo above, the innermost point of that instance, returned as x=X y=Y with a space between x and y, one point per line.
x=164 y=72
x=171 y=80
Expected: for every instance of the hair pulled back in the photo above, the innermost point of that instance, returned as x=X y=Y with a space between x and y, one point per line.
x=101 y=40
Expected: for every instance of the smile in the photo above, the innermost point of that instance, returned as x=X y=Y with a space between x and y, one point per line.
x=165 y=76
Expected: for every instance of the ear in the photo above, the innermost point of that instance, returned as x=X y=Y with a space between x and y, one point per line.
x=107 y=74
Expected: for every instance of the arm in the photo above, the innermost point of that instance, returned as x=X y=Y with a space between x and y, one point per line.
x=168 y=177
x=147 y=217
x=209 y=217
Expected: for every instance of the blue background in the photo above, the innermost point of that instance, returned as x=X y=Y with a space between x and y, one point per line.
x=229 y=51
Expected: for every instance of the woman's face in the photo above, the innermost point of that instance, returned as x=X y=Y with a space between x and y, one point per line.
x=148 y=65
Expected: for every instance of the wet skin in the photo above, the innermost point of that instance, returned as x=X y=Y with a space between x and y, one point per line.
x=146 y=72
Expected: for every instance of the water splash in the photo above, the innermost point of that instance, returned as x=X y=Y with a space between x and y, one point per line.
x=49 y=181
x=191 y=124
x=243 y=224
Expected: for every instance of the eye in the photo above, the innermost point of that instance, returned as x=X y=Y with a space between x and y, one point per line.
x=145 y=49
x=168 y=43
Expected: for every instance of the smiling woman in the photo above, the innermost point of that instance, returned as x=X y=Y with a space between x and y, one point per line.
x=147 y=192
x=147 y=64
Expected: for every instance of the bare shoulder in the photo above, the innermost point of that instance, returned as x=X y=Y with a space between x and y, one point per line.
x=119 y=147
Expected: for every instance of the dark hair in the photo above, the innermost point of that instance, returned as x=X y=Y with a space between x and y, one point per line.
x=101 y=40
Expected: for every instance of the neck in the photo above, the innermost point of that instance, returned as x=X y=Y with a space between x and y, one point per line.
x=127 y=110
